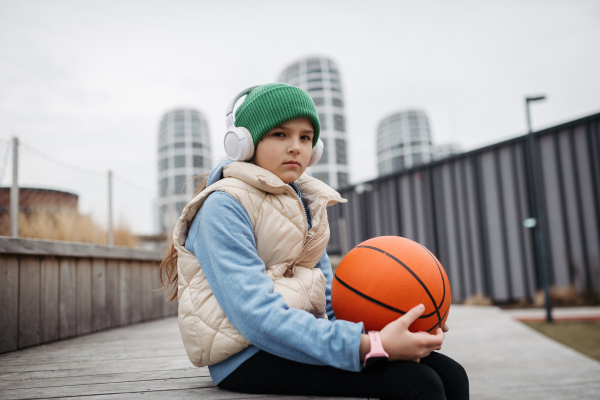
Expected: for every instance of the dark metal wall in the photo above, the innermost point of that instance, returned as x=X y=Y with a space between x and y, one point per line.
x=469 y=210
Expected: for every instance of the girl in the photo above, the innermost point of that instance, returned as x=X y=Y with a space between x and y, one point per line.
x=249 y=268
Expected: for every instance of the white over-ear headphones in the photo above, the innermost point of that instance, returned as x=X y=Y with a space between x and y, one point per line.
x=239 y=144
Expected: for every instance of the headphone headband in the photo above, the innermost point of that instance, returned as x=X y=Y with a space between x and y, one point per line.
x=229 y=111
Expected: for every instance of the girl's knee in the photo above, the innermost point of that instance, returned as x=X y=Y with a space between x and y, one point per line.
x=418 y=382
x=431 y=385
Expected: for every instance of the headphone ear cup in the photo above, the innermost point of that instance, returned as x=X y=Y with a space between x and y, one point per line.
x=239 y=145
x=317 y=152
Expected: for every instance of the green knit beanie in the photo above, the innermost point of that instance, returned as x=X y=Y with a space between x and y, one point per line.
x=270 y=105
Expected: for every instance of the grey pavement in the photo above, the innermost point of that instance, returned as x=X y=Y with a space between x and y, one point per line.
x=503 y=358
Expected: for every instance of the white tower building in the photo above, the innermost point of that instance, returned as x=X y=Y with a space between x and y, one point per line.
x=403 y=141
x=445 y=150
x=183 y=153
x=320 y=78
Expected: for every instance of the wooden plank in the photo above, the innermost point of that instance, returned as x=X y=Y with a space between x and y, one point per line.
x=35 y=367
x=172 y=308
x=147 y=293
x=135 y=292
x=158 y=300
x=84 y=295
x=108 y=388
x=112 y=294
x=90 y=379
x=50 y=285
x=68 y=298
x=124 y=273
x=29 y=301
x=10 y=245
x=98 y=294
x=212 y=393
x=92 y=368
x=9 y=301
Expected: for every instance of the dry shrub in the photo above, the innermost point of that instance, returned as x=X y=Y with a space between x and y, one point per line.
x=478 y=300
x=68 y=226
x=566 y=296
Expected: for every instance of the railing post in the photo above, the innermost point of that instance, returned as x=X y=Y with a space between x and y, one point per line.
x=14 y=191
x=111 y=236
x=343 y=236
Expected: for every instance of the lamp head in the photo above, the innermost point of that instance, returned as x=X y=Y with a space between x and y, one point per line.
x=535 y=98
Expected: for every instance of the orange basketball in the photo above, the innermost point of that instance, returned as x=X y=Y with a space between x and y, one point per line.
x=382 y=278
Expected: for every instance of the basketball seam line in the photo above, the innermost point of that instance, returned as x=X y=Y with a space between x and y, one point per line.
x=441 y=276
x=438 y=324
x=413 y=274
x=377 y=301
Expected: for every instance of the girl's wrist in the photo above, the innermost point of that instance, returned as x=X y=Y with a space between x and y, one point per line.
x=365 y=346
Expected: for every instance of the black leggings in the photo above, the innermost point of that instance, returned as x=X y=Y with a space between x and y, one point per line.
x=435 y=377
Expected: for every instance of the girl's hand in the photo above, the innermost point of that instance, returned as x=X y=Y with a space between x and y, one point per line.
x=402 y=344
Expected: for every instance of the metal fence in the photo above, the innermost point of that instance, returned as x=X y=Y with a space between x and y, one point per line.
x=469 y=210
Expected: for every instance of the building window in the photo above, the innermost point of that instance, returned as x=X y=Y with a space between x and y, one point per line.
x=315 y=89
x=163 y=164
x=397 y=163
x=179 y=145
x=417 y=158
x=415 y=131
x=197 y=145
x=198 y=162
x=337 y=102
x=338 y=122
x=162 y=212
x=342 y=179
x=316 y=79
x=179 y=184
x=180 y=161
x=323 y=121
x=319 y=101
x=323 y=159
x=163 y=148
x=340 y=151
x=322 y=176
x=162 y=187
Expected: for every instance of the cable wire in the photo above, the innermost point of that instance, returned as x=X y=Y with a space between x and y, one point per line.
x=56 y=160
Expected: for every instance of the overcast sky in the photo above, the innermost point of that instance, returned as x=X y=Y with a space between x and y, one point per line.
x=88 y=81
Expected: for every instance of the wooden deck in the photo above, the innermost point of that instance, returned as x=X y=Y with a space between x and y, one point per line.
x=504 y=360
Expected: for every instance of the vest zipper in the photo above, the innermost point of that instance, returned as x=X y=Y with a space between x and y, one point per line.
x=291 y=267
x=306 y=243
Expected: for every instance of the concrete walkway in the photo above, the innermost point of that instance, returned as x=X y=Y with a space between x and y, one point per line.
x=504 y=359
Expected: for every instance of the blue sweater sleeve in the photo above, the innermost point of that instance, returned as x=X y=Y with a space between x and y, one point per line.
x=222 y=238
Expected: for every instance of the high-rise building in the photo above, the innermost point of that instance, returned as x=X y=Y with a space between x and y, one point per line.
x=320 y=78
x=403 y=141
x=183 y=153
x=445 y=150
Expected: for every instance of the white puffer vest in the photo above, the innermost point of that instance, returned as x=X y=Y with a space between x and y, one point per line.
x=289 y=252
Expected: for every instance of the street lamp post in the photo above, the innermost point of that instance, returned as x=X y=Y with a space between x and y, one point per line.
x=538 y=221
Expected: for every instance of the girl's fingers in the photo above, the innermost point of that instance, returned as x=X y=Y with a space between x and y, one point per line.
x=412 y=315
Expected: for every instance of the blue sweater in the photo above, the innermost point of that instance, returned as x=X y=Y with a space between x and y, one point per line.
x=222 y=237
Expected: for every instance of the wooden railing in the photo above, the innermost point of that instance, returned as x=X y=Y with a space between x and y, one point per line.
x=53 y=290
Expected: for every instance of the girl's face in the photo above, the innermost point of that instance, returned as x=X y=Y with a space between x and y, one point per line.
x=286 y=150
